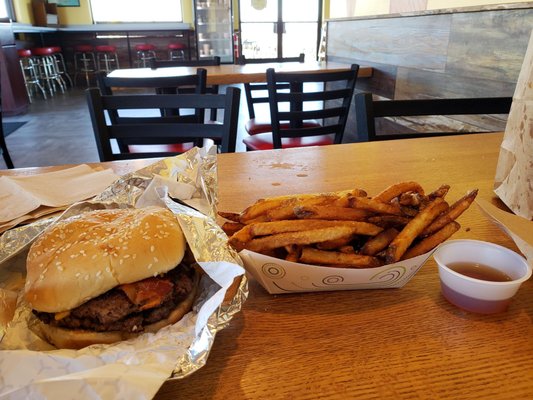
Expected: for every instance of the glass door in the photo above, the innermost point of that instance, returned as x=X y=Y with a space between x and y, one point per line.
x=279 y=28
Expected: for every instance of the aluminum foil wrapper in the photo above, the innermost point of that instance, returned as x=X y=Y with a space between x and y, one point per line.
x=187 y=185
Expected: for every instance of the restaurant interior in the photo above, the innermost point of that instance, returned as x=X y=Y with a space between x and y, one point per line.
x=306 y=148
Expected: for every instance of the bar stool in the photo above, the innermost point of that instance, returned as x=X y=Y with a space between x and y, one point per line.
x=84 y=62
x=48 y=71
x=61 y=66
x=30 y=72
x=145 y=52
x=176 y=51
x=106 y=58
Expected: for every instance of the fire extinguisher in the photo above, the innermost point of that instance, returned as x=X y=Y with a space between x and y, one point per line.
x=236 y=40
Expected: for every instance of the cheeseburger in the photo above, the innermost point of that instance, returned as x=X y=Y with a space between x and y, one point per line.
x=109 y=275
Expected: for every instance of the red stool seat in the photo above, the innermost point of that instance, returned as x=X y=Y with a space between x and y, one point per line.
x=263 y=141
x=24 y=53
x=56 y=49
x=161 y=148
x=176 y=46
x=106 y=49
x=144 y=47
x=255 y=126
x=84 y=48
x=43 y=51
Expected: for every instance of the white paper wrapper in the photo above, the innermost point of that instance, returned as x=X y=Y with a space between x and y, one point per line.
x=513 y=182
x=279 y=276
x=31 y=368
x=517 y=228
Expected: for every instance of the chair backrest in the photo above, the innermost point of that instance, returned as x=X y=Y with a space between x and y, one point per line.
x=195 y=83
x=163 y=130
x=257 y=92
x=367 y=110
x=334 y=96
x=203 y=62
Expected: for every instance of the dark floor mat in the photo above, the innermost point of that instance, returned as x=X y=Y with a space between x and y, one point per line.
x=10 y=127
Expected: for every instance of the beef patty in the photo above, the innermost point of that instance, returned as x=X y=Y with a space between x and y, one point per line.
x=113 y=310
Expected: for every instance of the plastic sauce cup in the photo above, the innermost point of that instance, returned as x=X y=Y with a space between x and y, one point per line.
x=476 y=295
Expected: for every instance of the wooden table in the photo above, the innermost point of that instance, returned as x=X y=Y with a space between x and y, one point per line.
x=393 y=343
x=228 y=74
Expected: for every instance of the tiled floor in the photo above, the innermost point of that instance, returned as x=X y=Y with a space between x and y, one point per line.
x=58 y=131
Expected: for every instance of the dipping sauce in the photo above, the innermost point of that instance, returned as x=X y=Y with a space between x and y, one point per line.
x=472 y=304
x=479 y=271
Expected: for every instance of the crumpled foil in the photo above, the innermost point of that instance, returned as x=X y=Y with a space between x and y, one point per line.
x=195 y=169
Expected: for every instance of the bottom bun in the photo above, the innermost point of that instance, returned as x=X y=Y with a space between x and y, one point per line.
x=63 y=338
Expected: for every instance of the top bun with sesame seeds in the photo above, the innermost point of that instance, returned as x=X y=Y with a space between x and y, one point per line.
x=81 y=257
x=109 y=275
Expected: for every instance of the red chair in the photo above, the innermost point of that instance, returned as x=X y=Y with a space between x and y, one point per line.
x=145 y=53
x=106 y=58
x=49 y=73
x=61 y=65
x=84 y=62
x=176 y=51
x=333 y=100
x=256 y=94
x=30 y=72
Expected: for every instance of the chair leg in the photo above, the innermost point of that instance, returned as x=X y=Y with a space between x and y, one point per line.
x=5 y=152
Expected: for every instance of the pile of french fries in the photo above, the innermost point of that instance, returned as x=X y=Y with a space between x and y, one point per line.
x=348 y=228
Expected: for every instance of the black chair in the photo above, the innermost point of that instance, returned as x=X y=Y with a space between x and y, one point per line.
x=256 y=93
x=367 y=110
x=330 y=102
x=195 y=83
x=162 y=131
x=204 y=62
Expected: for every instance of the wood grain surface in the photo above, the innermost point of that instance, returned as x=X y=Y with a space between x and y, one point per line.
x=407 y=343
x=443 y=55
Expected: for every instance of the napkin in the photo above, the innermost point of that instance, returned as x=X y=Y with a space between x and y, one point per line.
x=517 y=228
x=22 y=195
x=514 y=173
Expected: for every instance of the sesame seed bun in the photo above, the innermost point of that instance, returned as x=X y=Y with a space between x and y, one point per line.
x=82 y=257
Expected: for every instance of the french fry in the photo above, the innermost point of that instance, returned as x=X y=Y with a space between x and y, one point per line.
x=241 y=237
x=299 y=238
x=293 y=253
x=412 y=199
x=375 y=206
x=334 y=244
x=409 y=233
x=441 y=191
x=347 y=229
x=395 y=190
x=235 y=217
x=379 y=242
x=337 y=259
x=451 y=214
x=277 y=208
x=231 y=227
x=389 y=221
x=432 y=241
x=275 y=227
x=331 y=213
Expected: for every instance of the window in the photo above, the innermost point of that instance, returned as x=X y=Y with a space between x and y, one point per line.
x=5 y=10
x=136 y=11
